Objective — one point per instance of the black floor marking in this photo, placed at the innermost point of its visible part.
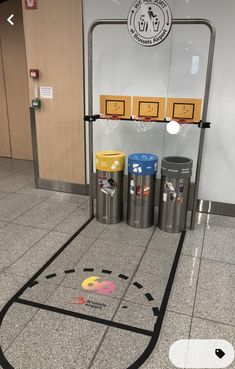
(50, 276)
(70, 271)
(90, 318)
(157, 327)
(33, 284)
(88, 269)
(106, 271)
(149, 297)
(156, 311)
(138, 285)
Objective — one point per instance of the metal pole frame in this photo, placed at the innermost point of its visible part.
(179, 21)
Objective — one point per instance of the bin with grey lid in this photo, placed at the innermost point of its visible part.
(176, 172)
(142, 169)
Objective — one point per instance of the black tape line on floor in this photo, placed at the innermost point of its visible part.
(138, 285)
(106, 271)
(70, 271)
(33, 284)
(90, 318)
(149, 297)
(88, 269)
(50, 276)
(122, 276)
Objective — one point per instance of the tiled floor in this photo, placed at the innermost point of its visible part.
(34, 224)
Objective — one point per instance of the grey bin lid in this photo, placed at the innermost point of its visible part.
(177, 167)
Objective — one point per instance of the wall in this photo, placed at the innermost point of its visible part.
(123, 67)
(15, 76)
(54, 45)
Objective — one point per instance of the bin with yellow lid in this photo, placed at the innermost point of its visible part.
(110, 166)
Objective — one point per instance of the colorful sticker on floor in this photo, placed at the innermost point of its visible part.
(108, 186)
(101, 288)
(88, 303)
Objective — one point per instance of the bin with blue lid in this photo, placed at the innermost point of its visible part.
(142, 169)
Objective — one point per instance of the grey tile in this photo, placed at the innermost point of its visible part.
(120, 349)
(113, 255)
(4, 174)
(15, 182)
(68, 258)
(205, 329)
(219, 244)
(136, 315)
(124, 233)
(48, 214)
(201, 218)
(83, 302)
(175, 327)
(184, 287)
(221, 221)
(157, 262)
(78, 199)
(39, 293)
(152, 284)
(16, 165)
(30, 189)
(94, 229)
(76, 220)
(37, 256)
(9, 285)
(14, 205)
(3, 194)
(193, 242)
(2, 224)
(164, 241)
(52, 341)
(215, 298)
(15, 320)
(15, 240)
(4, 161)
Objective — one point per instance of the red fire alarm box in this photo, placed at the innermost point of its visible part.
(31, 4)
(34, 73)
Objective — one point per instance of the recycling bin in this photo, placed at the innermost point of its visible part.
(110, 167)
(176, 172)
(142, 169)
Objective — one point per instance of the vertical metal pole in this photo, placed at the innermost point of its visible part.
(204, 119)
(90, 112)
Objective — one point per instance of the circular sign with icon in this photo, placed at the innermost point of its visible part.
(149, 22)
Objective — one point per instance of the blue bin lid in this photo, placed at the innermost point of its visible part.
(142, 164)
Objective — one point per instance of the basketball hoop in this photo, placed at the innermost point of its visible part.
(110, 123)
(144, 124)
(185, 127)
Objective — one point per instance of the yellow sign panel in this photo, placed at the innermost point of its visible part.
(119, 106)
(149, 107)
(185, 109)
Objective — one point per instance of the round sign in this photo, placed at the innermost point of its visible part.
(149, 21)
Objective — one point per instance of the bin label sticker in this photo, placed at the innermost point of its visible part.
(146, 191)
(180, 200)
(132, 187)
(165, 197)
(172, 196)
(181, 187)
(108, 186)
(138, 190)
(137, 168)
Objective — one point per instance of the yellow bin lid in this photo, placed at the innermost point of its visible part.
(110, 161)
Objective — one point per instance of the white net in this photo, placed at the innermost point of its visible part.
(184, 129)
(110, 125)
(144, 126)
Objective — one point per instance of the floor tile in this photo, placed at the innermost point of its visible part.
(175, 327)
(3, 194)
(221, 221)
(219, 244)
(215, 298)
(48, 214)
(4, 174)
(110, 254)
(76, 220)
(67, 259)
(14, 322)
(39, 293)
(78, 199)
(120, 349)
(4, 161)
(14, 205)
(156, 262)
(205, 329)
(9, 285)
(60, 342)
(201, 218)
(15, 240)
(15, 182)
(124, 233)
(16, 165)
(94, 229)
(30, 189)
(164, 241)
(184, 286)
(38, 255)
(93, 305)
(193, 242)
(2, 224)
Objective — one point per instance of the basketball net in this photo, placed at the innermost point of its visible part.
(110, 124)
(144, 124)
(185, 127)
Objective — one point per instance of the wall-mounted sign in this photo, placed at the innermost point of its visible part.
(149, 107)
(119, 106)
(149, 21)
(188, 110)
(31, 4)
(46, 92)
